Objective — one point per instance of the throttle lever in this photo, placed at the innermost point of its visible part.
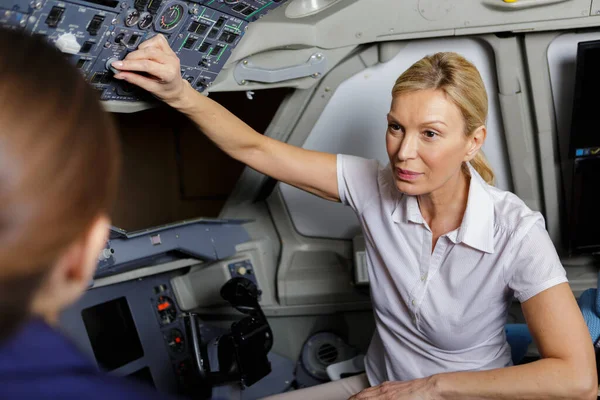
(191, 320)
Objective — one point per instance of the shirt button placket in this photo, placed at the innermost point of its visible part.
(425, 266)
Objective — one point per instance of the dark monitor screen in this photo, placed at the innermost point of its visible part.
(112, 333)
(585, 130)
(585, 216)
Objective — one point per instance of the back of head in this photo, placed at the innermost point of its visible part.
(462, 83)
(59, 157)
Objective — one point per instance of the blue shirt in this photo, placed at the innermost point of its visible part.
(40, 363)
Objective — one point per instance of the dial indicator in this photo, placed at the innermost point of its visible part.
(146, 20)
(132, 17)
(171, 16)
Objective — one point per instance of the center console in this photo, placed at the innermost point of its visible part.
(135, 328)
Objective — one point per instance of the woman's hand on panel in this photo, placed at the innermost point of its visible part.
(418, 389)
(155, 67)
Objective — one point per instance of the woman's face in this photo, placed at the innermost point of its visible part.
(425, 141)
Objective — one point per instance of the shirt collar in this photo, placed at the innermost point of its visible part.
(412, 211)
(477, 227)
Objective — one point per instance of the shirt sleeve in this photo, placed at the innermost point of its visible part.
(357, 181)
(536, 266)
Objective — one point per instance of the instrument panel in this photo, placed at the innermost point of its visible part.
(94, 33)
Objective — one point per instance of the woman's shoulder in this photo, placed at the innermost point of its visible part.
(511, 213)
(352, 162)
(369, 172)
(359, 180)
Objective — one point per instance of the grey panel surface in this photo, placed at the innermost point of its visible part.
(536, 47)
(201, 239)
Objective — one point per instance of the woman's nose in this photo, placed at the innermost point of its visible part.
(408, 147)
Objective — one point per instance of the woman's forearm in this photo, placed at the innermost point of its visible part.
(227, 131)
(544, 379)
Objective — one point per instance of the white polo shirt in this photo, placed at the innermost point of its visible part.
(444, 311)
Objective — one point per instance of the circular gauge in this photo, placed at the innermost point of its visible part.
(132, 17)
(171, 16)
(145, 20)
(175, 340)
(166, 310)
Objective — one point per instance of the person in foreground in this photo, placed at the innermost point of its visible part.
(447, 250)
(59, 158)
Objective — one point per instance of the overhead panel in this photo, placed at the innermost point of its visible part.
(95, 33)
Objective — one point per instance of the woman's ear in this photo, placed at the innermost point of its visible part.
(95, 242)
(72, 272)
(475, 141)
(80, 260)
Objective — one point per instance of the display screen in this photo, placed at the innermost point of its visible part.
(107, 3)
(585, 130)
(585, 219)
(112, 333)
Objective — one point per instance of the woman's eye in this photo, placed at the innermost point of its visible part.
(430, 134)
(394, 127)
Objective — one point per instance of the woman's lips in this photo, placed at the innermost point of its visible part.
(407, 175)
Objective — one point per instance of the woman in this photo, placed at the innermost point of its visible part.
(59, 157)
(447, 250)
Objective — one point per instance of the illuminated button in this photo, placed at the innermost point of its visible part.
(510, 1)
(155, 239)
(242, 270)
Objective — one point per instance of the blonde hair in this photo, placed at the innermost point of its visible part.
(460, 80)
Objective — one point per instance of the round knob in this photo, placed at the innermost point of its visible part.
(105, 254)
(109, 65)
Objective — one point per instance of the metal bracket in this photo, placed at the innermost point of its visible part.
(246, 72)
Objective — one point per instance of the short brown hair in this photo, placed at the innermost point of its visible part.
(59, 165)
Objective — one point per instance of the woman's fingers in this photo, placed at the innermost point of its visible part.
(159, 71)
(145, 83)
(149, 53)
(153, 67)
(158, 41)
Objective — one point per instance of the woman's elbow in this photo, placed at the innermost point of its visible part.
(588, 394)
(586, 386)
